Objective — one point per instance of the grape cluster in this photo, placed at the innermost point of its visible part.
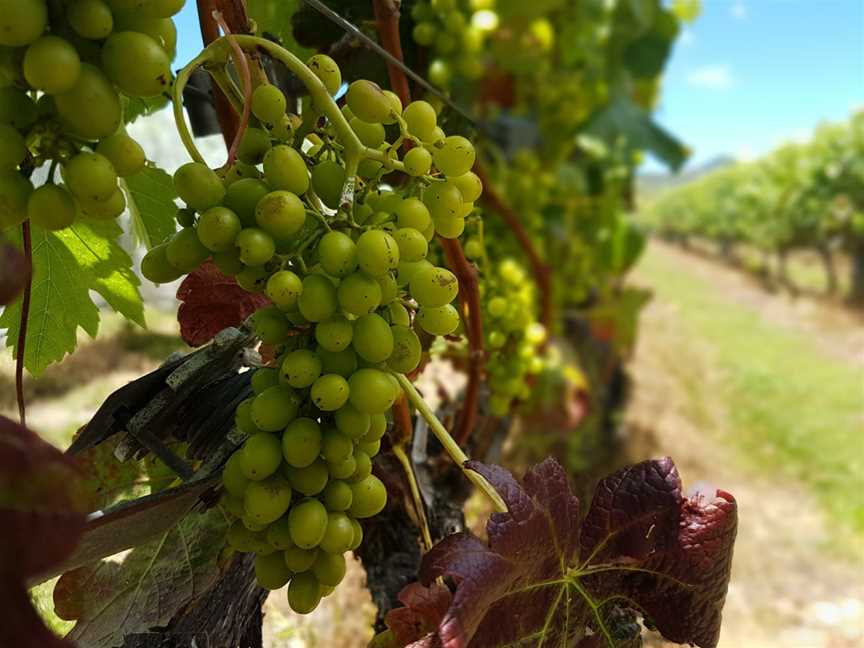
(64, 70)
(350, 286)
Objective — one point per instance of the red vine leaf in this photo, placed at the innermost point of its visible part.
(14, 270)
(212, 301)
(424, 608)
(41, 517)
(548, 578)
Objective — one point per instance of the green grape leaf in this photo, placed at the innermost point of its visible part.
(646, 57)
(150, 197)
(549, 576)
(621, 118)
(136, 107)
(114, 598)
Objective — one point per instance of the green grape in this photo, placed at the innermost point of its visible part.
(271, 325)
(274, 408)
(469, 186)
(364, 465)
(90, 18)
(104, 209)
(198, 186)
(51, 207)
(408, 269)
(260, 456)
(233, 479)
(281, 214)
(377, 429)
(421, 119)
(152, 8)
(253, 525)
(279, 536)
(432, 286)
(318, 300)
(256, 246)
(443, 199)
(232, 506)
(335, 446)
(337, 496)
(17, 108)
(300, 368)
(358, 534)
(368, 102)
(439, 73)
(389, 288)
(269, 104)
(412, 213)
(309, 480)
(229, 262)
(51, 64)
(473, 249)
(91, 109)
(161, 30)
(242, 539)
(342, 363)
(308, 520)
(334, 334)
(283, 130)
(371, 135)
(351, 422)
(125, 154)
(304, 593)
(253, 146)
(359, 294)
(370, 449)
(299, 560)
(442, 320)
(450, 227)
(271, 572)
(424, 33)
(13, 149)
(412, 244)
(154, 265)
(369, 497)
(243, 196)
(218, 228)
(21, 21)
(284, 288)
(285, 169)
(337, 540)
(417, 161)
(263, 378)
(326, 69)
(137, 64)
(328, 178)
(239, 171)
(185, 252)
(371, 391)
(329, 392)
(377, 252)
(267, 500)
(329, 569)
(337, 253)
(466, 210)
(252, 279)
(90, 176)
(342, 469)
(301, 443)
(407, 350)
(373, 340)
(398, 314)
(395, 107)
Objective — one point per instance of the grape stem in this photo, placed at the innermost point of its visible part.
(450, 446)
(399, 451)
(25, 317)
(242, 65)
(542, 272)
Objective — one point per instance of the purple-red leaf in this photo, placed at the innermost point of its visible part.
(548, 578)
(41, 518)
(212, 301)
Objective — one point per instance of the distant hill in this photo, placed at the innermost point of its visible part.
(649, 184)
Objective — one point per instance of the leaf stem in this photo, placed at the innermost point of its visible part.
(456, 453)
(399, 451)
(25, 317)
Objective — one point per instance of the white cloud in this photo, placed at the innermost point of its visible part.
(712, 77)
(739, 10)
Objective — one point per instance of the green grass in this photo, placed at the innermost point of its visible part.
(788, 406)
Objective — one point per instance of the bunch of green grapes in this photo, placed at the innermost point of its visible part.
(350, 287)
(64, 71)
(455, 38)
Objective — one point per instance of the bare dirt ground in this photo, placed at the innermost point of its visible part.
(795, 582)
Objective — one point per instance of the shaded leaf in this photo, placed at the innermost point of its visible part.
(212, 301)
(546, 578)
(150, 197)
(41, 517)
(424, 608)
(107, 479)
(145, 588)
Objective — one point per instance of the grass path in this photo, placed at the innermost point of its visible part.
(736, 387)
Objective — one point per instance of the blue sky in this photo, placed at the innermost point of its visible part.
(746, 76)
(750, 74)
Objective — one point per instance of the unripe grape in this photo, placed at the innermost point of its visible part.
(274, 408)
(329, 568)
(443, 199)
(337, 497)
(342, 469)
(13, 149)
(311, 479)
(442, 320)
(373, 340)
(338, 254)
(414, 214)
(421, 119)
(299, 560)
(304, 593)
(126, 155)
(284, 288)
(412, 244)
(281, 214)
(359, 294)
(369, 497)
(267, 500)
(371, 135)
(389, 288)
(469, 186)
(285, 169)
(218, 228)
(343, 363)
(21, 21)
(398, 314)
(154, 264)
(137, 64)
(300, 368)
(52, 65)
(91, 108)
(256, 246)
(260, 456)
(407, 350)
(254, 146)
(90, 176)
(432, 286)
(318, 300)
(328, 178)
(326, 69)
(329, 392)
(363, 463)
(185, 252)
(51, 207)
(271, 572)
(368, 102)
(358, 534)
(377, 252)
(371, 391)
(395, 105)
(242, 197)
(198, 186)
(450, 227)
(229, 262)
(334, 334)
(90, 18)
(269, 104)
(308, 520)
(417, 161)
(233, 479)
(279, 536)
(301, 442)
